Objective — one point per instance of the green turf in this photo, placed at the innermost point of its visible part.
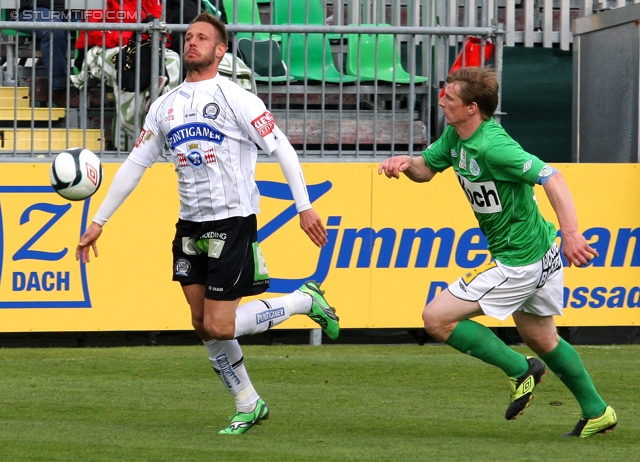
(329, 403)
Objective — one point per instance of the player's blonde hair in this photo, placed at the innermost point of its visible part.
(477, 85)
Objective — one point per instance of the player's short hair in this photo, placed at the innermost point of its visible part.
(477, 85)
(216, 23)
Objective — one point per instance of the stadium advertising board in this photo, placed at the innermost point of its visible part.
(393, 245)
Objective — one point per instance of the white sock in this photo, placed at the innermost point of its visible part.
(228, 363)
(299, 301)
(260, 315)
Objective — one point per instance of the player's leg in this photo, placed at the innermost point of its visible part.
(446, 319)
(501, 290)
(226, 357)
(236, 268)
(540, 334)
(260, 315)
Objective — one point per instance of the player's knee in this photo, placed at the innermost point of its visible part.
(435, 326)
(431, 322)
(542, 344)
(212, 331)
(220, 332)
(198, 325)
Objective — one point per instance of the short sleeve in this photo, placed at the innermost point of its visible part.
(510, 162)
(149, 143)
(259, 123)
(438, 155)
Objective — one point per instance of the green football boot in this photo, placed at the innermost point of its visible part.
(588, 427)
(522, 388)
(243, 421)
(321, 312)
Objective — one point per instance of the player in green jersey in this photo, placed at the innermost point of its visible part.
(525, 277)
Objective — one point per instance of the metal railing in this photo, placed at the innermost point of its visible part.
(324, 120)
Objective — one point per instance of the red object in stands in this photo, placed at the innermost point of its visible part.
(472, 55)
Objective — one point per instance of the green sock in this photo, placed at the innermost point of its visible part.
(478, 341)
(565, 362)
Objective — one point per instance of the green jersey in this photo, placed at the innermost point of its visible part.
(498, 176)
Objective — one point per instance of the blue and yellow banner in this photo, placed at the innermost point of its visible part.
(394, 245)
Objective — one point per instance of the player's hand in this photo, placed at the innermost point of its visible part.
(311, 224)
(88, 240)
(576, 249)
(394, 166)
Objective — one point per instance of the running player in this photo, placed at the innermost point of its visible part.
(525, 277)
(211, 127)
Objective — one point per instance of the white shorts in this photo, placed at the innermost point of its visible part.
(500, 290)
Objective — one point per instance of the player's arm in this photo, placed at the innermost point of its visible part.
(146, 151)
(413, 167)
(574, 245)
(124, 182)
(310, 221)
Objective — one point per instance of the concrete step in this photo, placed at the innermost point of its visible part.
(11, 97)
(43, 139)
(27, 114)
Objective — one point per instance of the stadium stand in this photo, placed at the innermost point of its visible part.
(327, 118)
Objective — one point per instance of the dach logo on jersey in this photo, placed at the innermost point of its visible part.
(195, 157)
(197, 131)
(264, 124)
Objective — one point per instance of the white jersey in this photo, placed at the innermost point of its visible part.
(210, 128)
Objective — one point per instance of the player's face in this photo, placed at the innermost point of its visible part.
(455, 110)
(202, 47)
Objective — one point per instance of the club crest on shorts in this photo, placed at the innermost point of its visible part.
(182, 267)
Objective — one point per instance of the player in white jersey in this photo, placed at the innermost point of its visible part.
(211, 127)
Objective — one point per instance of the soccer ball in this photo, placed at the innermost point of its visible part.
(76, 173)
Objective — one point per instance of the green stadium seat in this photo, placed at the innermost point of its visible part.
(247, 13)
(264, 58)
(300, 12)
(309, 56)
(377, 57)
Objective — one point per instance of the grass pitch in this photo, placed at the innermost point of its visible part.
(329, 403)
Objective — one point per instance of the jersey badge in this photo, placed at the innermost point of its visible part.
(190, 115)
(169, 117)
(264, 124)
(140, 138)
(453, 153)
(184, 94)
(474, 168)
(527, 166)
(463, 159)
(546, 171)
(195, 157)
(211, 111)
